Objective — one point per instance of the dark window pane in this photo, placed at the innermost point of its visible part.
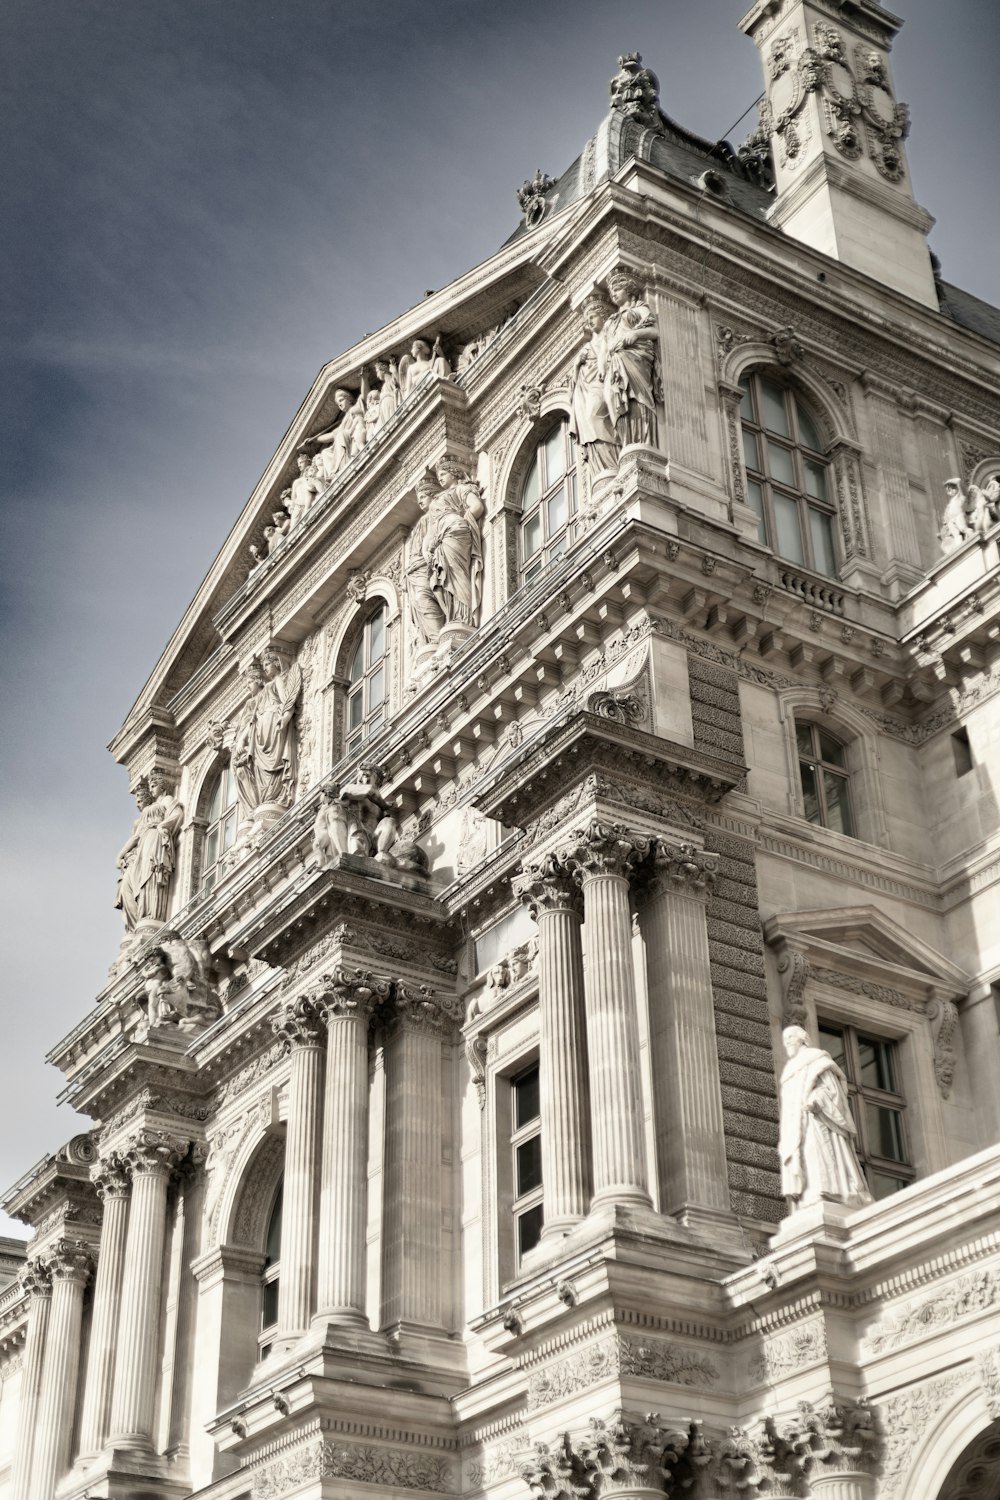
(376, 687)
(831, 750)
(877, 1071)
(821, 537)
(885, 1132)
(774, 414)
(557, 511)
(780, 465)
(212, 846)
(272, 1249)
(555, 457)
(269, 1308)
(755, 498)
(526, 1098)
(376, 630)
(833, 1042)
(529, 1165)
(217, 803)
(786, 515)
(750, 452)
(810, 792)
(530, 498)
(356, 712)
(532, 535)
(838, 803)
(815, 479)
(883, 1186)
(808, 431)
(803, 738)
(229, 830)
(529, 1229)
(746, 400)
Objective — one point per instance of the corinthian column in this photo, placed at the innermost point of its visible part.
(412, 1269)
(349, 998)
(37, 1283)
(150, 1158)
(111, 1179)
(301, 1025)
(691, 1147)
(549, 891)
(69, 1267)
(602, 856)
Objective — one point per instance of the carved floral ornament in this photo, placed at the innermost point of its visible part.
(623, 1455)
(857, 107)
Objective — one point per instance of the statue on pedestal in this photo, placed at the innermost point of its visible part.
(265, 750)
(357, 819)
(175, 977)
(632, 385)
(817, 1142)
(590, 420)
(146, 860)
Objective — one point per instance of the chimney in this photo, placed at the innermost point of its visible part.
(837, 135)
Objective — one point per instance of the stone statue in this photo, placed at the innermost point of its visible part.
(965, 515)
(357, 819)
(175, 976)
(425, 607)
(590, 422)
(304, 489)
(456, 560)
(275, 534)
(265, 749)
(421, 363)
(124, 895)
(632, 386)
(390, 394)
(147, 858)
(818, 1157)
(635, 92)
(341, 443)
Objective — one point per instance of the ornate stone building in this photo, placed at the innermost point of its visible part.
(602, 679)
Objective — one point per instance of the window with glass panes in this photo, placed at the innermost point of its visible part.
(221, 829)
(548, 503)
(788, 477)
(526, 1147)
(871, 1067)
(366, 695)
(270, 1278)
(826, 787)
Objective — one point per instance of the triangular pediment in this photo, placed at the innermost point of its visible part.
(865, 936)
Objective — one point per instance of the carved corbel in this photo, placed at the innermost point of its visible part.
(793, 966)
(943, 1017)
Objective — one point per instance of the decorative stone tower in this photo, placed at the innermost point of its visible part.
(837, 134)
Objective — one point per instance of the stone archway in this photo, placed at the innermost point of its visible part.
(975, 1474)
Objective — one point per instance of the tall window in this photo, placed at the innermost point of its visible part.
(271, 1279)
(366, 698)
(826, 788)
(788, 475)
(548, 503)
(221, 830)
(526, 1145)
(871, 1066)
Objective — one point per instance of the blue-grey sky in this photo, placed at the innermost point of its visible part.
(203, 201)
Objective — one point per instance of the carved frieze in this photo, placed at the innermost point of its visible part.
(649, 1358)
(925, 1316)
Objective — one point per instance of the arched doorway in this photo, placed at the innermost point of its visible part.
(975, 1474)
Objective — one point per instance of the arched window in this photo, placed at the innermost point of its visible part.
(366, 696)
(221, 828)
(825, 778)
(548, 503)
(788, 474)
(270, 1278)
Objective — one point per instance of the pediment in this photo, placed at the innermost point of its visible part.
(864, 938)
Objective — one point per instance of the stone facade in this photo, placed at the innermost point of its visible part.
(606, 687)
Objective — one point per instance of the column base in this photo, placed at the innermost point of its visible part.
(702, 1244)
(113, 1475)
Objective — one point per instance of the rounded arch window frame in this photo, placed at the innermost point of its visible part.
(806, 705)
(836, 425)
(219, 765)
(528, 440)
(378, 593)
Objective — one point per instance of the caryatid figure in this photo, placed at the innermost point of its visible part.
(817, 1140)
(632, 385)
(591, 422)
(147, 859)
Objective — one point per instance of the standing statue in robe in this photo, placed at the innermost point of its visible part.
(390, 394)
(124, 894)
(590, 421)
(147, 859)
(421, 363)
(345, 441)
(265, 752)
(817, 1141)
(456, 550)
(632, 385)
(304, 489)
(425, 607)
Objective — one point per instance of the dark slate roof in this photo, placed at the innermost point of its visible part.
(969, 312)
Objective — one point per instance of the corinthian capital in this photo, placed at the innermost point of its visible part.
(70, 1260)
(301, 1022)
(423, 1009)
(153, 1153)
(547, 885)
(110, 1176)
(604, 849)
(351, 993)
(35, 1278)
(682, 867)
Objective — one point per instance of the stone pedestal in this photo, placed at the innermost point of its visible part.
(151, 1157)
(602, 855)
(348, 1003)
(691, 1153)
(112, 1182)
(37, 1283)
(302, 1026)
(412, 1270)
(548, 889)
(69, 1267)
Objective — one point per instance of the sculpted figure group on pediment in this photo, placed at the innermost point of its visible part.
(615, 384)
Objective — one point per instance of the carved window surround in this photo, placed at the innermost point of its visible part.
(808, 705)
(858, 966)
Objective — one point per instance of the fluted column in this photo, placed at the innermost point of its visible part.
(111, 1179)
(69, 1266)
(684, 1058)
(602, 855)
(554, 899)
(412, 1268)
(349, 1000)
(38, 1284)
(151, 1158)
(301, 1025)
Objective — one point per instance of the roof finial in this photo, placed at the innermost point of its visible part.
(635, 91)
